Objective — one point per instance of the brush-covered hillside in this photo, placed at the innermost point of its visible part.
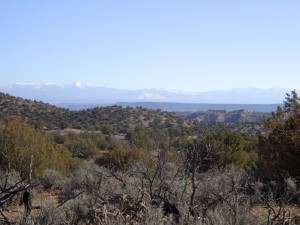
(222, 116)
(106, 119)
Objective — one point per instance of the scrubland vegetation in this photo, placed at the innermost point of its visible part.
(116, 165)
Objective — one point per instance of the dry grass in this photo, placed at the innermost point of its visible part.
(261, 213)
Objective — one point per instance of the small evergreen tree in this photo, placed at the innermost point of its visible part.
(19, 141)
(280, 146)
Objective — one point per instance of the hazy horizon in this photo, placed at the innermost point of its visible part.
(82, 93)
(81, 84)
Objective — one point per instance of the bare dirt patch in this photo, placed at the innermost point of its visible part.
(16, 210)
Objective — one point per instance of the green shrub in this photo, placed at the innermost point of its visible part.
(49, 178)
(19, 141)
(120, 159)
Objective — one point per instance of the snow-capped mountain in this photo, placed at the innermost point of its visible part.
(82, 85)
(84, 93)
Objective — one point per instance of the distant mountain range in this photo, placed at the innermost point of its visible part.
(84, 95)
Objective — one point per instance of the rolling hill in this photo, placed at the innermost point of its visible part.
(47, 116)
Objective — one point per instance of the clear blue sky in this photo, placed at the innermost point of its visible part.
(187, 45)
